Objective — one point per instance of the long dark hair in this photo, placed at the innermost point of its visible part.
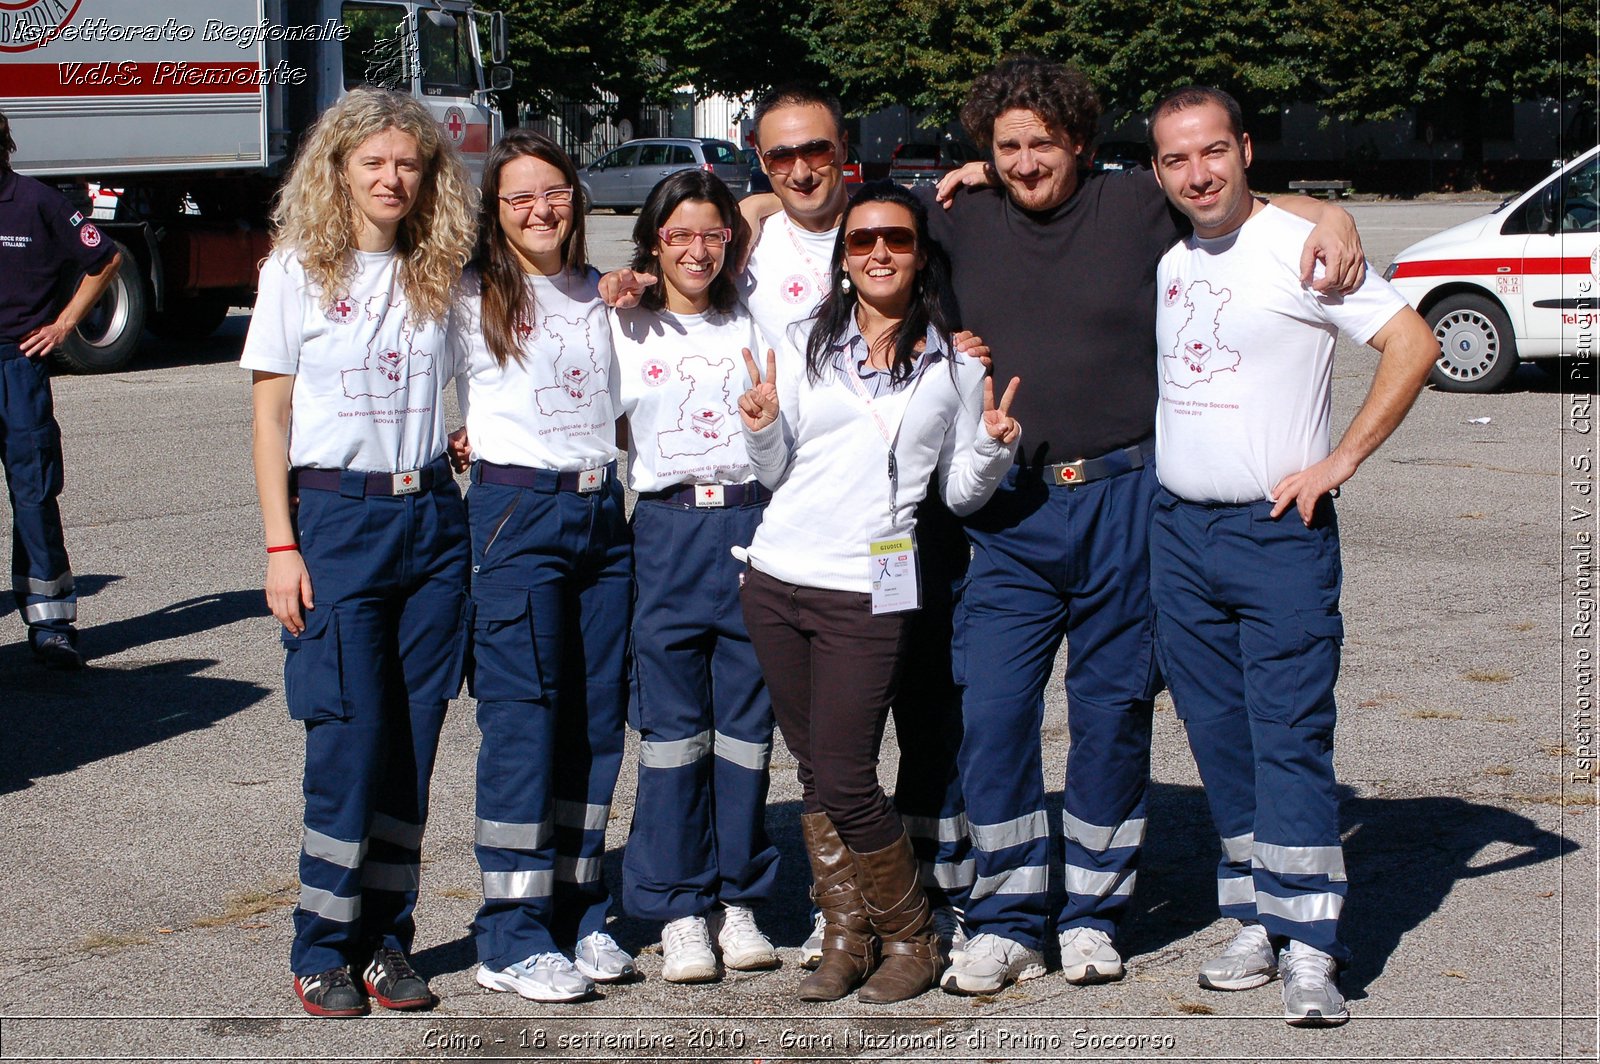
(932, 302)
(507, 302)
(681, 187)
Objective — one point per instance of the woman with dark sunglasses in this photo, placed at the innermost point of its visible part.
(698, 850)
(869, 405)
(551, 578)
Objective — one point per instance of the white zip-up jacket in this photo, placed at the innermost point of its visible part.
(827, 462)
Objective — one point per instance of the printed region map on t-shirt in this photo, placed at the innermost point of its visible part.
(552, 409)
(679, 378)
(1245, 357)
(785, 279)
(368, 379)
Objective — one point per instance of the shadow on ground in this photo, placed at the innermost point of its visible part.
(56, 722)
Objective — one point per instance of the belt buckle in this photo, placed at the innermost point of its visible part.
(1068, 474)
(709, 496)
(407, 483)
(591, 480)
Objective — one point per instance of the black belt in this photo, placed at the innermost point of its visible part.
(583, 481)
(698, 497)
(1111, 464)
(355, 483)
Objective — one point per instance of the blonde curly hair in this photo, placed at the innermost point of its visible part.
(315, 217)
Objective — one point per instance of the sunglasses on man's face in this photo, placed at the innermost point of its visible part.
(897, 238)
(816, 153)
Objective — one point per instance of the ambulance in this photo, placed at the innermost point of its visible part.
(174, 123)
(1522, 282)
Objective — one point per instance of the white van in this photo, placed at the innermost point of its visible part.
(1521, 282)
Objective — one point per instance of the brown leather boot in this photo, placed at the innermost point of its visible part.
(847, 939)
(898, 908)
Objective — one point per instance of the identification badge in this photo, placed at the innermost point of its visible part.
(708, 495)
(895, 585)
(591, 480)
(408, 483)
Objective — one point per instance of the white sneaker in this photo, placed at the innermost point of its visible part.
(542, 977)
(811, 948)
(1248, 961)
(744, 947)
(686, 951)
(989, 963)
(1087, 956)
(951, 931)
(1311, 995)
(598, 956)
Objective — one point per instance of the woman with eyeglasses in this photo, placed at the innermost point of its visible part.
(848, 433)
(698, 855)
(366, 536)
(551, 578)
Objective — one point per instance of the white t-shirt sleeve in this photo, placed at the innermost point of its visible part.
(272, 343)
(971, 462)
(1362, 314)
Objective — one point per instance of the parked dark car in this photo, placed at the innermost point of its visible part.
(623, 177)
(925, 162)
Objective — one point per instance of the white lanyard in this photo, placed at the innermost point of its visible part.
(890, 438)
(805, 258)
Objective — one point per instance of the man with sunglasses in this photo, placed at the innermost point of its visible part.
(1055, 268)
(801, 139)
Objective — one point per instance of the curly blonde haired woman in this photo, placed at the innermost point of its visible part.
(367, 548)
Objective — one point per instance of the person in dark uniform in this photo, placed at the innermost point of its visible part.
(54, 265)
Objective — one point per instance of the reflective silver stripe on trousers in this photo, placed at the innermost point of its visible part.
(1025, 828)
(330, 906)
(950, 876)
(39, 612)
(580, 870)
(27, 585)
(1301, 860)
(381, 875)
(398, 832)
(506, 836)
(949, 829)
(1237, 890)
(531, 884)
(1029, 879)
(1302, 909)
(334, 851)
(1099, 884)
(1098, 838)
(675, 753)
(580, 815)
(1237, 848)
(753, 756)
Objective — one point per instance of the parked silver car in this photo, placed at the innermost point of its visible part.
(624, 176)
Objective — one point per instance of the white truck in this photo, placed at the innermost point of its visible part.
(184, 115)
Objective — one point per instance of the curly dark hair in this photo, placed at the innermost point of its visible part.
(1058, 93)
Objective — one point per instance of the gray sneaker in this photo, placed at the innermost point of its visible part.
(1248, 961)
(1087, 956)
(988, 964)
(1311, 995)
(598, 956)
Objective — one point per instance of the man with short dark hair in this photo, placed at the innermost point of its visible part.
(46, 247)
(1244, 544)
(1055, 269)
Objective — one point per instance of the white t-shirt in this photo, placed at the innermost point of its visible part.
(786, 277)
(679, 378)
(553, 409)
(1246, 357)
(367, 381)
(827, 464)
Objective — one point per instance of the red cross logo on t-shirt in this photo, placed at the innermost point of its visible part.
(795, 289)
(341, 311)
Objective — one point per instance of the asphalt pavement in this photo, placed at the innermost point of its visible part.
(150, 804)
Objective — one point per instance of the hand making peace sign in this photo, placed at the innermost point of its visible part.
(997, 421)
(759, 406)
